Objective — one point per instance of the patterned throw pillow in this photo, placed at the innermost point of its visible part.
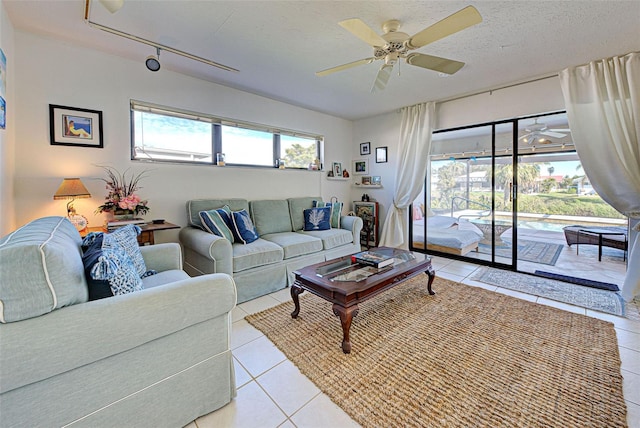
(336, 211)
(115, 266)
(317, 219)
(243, 229)
(127, 238)
(217, 222)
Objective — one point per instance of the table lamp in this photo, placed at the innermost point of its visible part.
(72, 188)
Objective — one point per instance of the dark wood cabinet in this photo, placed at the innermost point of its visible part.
(368, 212)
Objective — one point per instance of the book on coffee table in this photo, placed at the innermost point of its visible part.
(372, 258)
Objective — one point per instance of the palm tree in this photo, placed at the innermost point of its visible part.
(527, 176)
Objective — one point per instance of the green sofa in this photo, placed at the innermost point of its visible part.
(267, 264)
(159, 357)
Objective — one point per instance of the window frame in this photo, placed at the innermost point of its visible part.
(217, 123)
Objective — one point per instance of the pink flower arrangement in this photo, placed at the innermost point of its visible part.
(122, 193)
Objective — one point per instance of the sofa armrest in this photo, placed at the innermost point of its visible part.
(70, 337)
(209, 246)
(353, 224)
(162, 257)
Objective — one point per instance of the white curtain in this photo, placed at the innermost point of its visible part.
(413, 154)
(603, 108)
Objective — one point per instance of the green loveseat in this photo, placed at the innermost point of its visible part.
(267, 264)
(159, 357)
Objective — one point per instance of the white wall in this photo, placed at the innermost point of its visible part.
(531, 98)
(78, 77)
(7, 135)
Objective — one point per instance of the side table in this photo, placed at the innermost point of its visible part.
(146, 236)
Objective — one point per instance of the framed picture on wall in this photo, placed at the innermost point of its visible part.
(336, 167)
(381, 154)
(366, 180)
(71, 126)
(361, 167)
(365, 149)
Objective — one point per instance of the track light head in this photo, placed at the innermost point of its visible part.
(153, 62)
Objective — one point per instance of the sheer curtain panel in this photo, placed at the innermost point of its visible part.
(413, 154)
(603, 107)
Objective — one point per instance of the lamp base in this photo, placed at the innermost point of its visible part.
(79, 221)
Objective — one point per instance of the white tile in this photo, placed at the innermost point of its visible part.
(283, 295)
(560, 305)
(242, 376)
(251, 408)
(633, 414)
(449, 276)
(260, 304)
(258, 356)
(237, 314)
(630, 360)
(289, 388)
(458, 268)
(242, 332)
(619, 322)
(321, 412)
(628, 339)
(631, 386)
(517, 294)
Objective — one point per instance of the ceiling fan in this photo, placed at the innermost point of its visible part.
(536, 133)
(394, 44)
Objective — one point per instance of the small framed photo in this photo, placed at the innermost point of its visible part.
(361, 167)
(366, 180)
(365, 149)
(71, 126)
(336, 167)
(376, 181)
(381, 154)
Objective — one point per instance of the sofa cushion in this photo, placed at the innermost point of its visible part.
(50, 248)
(218, 222)
(194, 207)
(317, 218)
(296, 210)
(98, 288)
(127, 238)
(295, 244)
(332, 238)
(244, 231)
(258, 253)
(336, 211)
(270, 216)
(165, 277)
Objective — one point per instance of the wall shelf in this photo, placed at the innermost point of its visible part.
(339, 178)
(368, 186)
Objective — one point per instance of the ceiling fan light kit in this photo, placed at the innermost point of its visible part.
(394, 45)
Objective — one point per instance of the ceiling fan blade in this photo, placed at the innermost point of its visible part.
(436, 63)
(382, 78)
(553, 134)
(560, 130)
(345, 66)
(361, 30)
(460, 20)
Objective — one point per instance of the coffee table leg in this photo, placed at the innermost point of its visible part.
(346, 315)
(295, 291)
(432, 276)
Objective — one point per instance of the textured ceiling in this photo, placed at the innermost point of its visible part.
(279, 45)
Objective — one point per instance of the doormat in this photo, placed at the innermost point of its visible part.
(579, 281)
(591, 298)
(545, 253)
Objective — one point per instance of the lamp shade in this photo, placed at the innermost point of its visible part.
(71, 188)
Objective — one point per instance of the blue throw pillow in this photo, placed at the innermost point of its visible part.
(317, 219)
(215, 221)
(243, 229)
(336, 211)
(92, 251)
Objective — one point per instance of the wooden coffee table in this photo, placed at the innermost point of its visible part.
(346, 285)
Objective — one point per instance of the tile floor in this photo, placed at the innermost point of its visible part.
(273, 393)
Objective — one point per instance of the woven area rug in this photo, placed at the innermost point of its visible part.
(545, 253)
(586, 297)
(466, 357)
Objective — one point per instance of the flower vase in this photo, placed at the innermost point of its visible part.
(120, 215)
